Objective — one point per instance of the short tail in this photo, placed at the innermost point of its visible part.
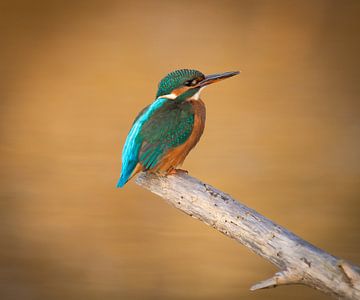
(126, 176)
(123, 179)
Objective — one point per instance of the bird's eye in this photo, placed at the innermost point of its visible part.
(190, 82)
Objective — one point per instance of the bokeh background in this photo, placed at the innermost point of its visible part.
(283, 137)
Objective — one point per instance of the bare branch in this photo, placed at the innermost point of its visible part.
(301, 262)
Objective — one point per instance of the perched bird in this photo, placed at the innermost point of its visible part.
(164, 132)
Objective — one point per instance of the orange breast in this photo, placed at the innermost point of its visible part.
(175, 157)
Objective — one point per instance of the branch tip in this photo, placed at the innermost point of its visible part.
(280, 278)
(268, 283)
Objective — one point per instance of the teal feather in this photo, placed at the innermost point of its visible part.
(169, 127)
(134, 141)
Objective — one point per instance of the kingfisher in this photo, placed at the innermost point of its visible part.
(165, 131)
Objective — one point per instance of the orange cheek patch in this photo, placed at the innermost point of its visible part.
(179, 91)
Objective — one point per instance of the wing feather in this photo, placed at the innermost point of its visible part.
(168, 128)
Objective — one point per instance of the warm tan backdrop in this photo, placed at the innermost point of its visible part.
(283, 137)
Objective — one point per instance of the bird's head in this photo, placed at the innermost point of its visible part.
(185, 83)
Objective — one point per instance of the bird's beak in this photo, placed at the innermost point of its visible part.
(216, 77)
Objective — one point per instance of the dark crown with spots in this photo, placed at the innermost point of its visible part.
(176, 79)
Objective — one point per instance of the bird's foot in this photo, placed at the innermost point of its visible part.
(177, 171)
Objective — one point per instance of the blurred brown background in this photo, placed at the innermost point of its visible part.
(283, 137)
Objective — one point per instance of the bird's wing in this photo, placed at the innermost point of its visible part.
(130, 154)
(169, 127)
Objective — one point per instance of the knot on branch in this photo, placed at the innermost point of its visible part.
(351, 274)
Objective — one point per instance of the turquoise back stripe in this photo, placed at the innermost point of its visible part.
(133, 143)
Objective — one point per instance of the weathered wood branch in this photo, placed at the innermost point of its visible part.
(299, 261)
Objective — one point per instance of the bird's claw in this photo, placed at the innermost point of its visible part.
(177, 171)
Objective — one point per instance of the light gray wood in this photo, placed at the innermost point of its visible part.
(298, 261)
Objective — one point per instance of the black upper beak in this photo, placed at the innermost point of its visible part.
(216, 77)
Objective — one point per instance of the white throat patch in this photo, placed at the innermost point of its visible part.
(197, 95)
(168, 96)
